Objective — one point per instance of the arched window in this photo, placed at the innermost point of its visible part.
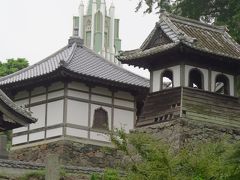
(222, 84)
(100, 119)
(196, 79)
(167, 79)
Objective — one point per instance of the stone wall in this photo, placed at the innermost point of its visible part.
(177, 133)
(182, 131)
(70, 153)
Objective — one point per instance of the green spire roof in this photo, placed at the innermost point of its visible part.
(90, 2)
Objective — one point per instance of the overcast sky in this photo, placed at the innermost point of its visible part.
(34, 29)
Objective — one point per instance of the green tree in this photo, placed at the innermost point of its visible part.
(150, 159)
(219, 12)
(12, 65)
(9, 67)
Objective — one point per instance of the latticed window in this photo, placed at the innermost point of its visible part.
(100, 119)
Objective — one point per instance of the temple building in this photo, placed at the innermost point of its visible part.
(75, 94)
(193, 76)
(99, 29)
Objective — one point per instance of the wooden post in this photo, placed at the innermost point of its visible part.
(3, 147)
(52, 167)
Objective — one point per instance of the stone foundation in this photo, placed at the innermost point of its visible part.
(70, 153)
(177, 133)
(182, 131)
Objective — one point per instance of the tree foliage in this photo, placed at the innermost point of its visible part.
(12, 66)
(150, 159)
(9, 67)
(219, 12)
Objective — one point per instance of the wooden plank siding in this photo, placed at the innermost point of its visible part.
(161, 106)
(192, 104)
(211, 107)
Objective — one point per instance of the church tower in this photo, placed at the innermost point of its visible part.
(99, 29)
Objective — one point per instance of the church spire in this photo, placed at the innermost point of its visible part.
(81, 14)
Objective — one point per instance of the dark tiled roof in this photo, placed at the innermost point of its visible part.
(77, 58)
(24, 113)
(191, 33)
(12, 164)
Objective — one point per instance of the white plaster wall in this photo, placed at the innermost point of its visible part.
(156, 80)
(55, 113)
(19, 139)
(21, 129)
(101, 99)
(36, 136)
(123, 103)
(124, 95)
(108, 109)
(101, 90)
(76, 132)
(176, 75)
(78, 86)
(78, 94)
(157, 77)
(99, 136)
(38, 98)
(204, 72)
(56, 85)
(231, 81)
(55, 94)
(39, 113)
(21, 94)
(54, 132)
(123, 119)
(38, 90)
(77, 113)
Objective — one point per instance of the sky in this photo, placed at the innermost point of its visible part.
(34, 29)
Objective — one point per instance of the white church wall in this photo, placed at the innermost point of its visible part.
(39, 113)
(77, 132)
(36, 136)
(54, 132)
(123, 119)
(204, 72)
(230, 78)
(55, 113)
(19, 139)
(77, 113)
